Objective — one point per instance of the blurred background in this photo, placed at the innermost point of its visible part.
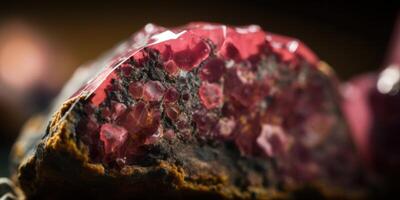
(42, 43)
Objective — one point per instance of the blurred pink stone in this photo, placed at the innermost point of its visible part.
(357, 110)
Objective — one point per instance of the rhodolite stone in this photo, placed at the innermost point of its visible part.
(210, 95)
(113, 137)
(227, 111)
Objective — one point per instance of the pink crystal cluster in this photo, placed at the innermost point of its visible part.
(258, 90)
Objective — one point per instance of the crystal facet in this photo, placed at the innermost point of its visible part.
(113, 137)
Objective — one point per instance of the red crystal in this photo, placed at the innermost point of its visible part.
(117, 110)
(189, 58)
(153, 91)
(210, 95)
(136, 90)
(100, 95)
(243, 87)
(113, 137)
(286, 47)
(171, 95)
(187, 52)
(230, 51)
(172, 112)
(171, 67)
(136, 118)
(241, 43)
(212, 70)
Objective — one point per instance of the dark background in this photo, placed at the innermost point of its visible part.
(351, 37)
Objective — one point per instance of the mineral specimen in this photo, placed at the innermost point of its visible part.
(203, 110)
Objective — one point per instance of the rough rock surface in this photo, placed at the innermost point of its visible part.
(203, 110)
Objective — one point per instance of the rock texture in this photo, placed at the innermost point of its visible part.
(199, 111)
